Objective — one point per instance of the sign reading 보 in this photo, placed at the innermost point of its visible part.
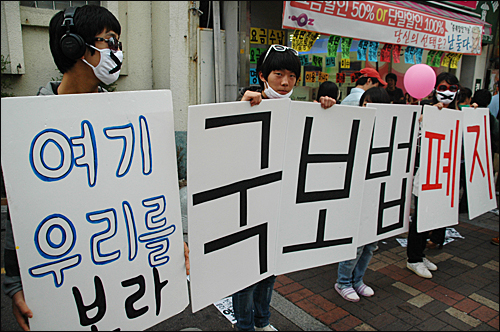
(478, 162)
(323, 180)
(389, 173)
(439, 172)
(99, 232)
(235, 166)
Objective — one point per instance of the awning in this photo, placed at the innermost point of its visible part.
(393, 22)
(444, 13)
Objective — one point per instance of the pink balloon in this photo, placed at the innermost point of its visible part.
(419, 80)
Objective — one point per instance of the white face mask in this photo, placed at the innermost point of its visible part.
(445, 97)
(271, 94)
(108, 69)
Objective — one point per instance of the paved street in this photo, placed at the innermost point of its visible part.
(462, 295)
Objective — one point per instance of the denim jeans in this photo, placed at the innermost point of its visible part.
(251, 305)
(350, 273)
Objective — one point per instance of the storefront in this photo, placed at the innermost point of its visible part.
(335, 39)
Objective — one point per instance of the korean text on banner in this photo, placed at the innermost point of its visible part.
(103, 224)
(233, 195)
(394, 24)
(478, 161)
(389, 173)
(439, 180)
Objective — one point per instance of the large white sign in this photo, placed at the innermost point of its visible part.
(235, 166)
(439, 180)
(93, 197)
(323, 180)
(389, 175)
(478, 162)
(383, 22)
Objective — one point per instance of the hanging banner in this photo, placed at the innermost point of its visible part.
(304, 60)
(303, 40)
(323, 77)
(430, 57)
(454, 61)
(340, 78)
(418, 55)
(409, 53)
(329, 61)
(317, 61)
(362, 46)
(446, 59)
(382, 22)
(258, 36)
(346, 47)
(385, 53)
(436, 62)
(372, 51)
(396, 51)
(333, 45)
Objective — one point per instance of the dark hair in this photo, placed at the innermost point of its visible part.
(329, 89)
(275, 60)
(450, 79)
(377, 94)
(391, 75)
(363, 80)
(482, 98)
(464, 94)
(89, 21)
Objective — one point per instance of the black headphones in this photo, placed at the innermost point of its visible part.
(72, 45)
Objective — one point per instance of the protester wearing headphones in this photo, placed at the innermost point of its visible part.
(85, 47)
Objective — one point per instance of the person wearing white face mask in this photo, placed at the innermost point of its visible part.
(445, 95)
(278, 70)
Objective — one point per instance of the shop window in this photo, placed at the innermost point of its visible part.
(57, 5)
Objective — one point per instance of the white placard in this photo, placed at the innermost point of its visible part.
(93, 197)
(234, 163)
(323, 180)
(439, 182)
(478, 161)
(389, 176)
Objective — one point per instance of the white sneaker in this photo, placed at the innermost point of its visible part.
(420, 269)
(429, 265)
(269, 327)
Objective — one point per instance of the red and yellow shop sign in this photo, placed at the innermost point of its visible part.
(393, 24)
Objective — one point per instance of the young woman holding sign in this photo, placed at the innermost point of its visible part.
(278, 70)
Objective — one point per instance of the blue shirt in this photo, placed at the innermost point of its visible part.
(493, 106)
(353, 98)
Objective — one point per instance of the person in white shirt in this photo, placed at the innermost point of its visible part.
(369, 78)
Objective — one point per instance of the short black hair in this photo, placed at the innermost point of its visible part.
(482, 98)
(329, 89)
(391, 75)
(276, 60)
(89, 21)
(377, 94)
(464, 94)
(363, 80)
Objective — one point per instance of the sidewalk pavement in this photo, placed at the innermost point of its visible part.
(462, 295)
